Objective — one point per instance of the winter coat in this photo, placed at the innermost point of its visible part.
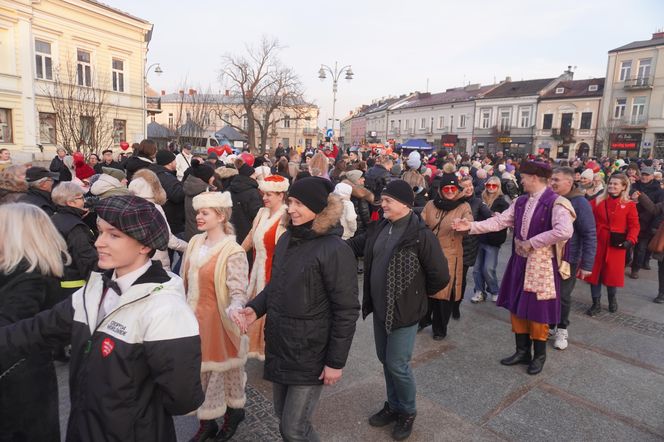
(582, 247)
(136, 163)
(247, 202)
(56, 164)
(113, 164)
(376, 179)
(348, 220)
(80, 243)
(30, 390)
(192, 187)
(610, 261)
(471, 243)
(12, 190)
(440, 223)
(362, 200)
(174, 205)
(39, 198)
(509, 187)
(427, 278)
(496, 239)
(647, 220)
(131, 373)
(311, 302)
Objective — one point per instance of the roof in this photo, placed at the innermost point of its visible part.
(640, 44)
(234, 99)
(510, 89)
(454, 95)
(381, 105)
(118, 11)
(416, 144)
(156, 130)
(575, 89)
(229, 133)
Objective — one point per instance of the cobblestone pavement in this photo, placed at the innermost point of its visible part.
(608, 384)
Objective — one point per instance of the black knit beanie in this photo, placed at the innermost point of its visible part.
(246, 170)
(312, 192)
(449, 179)
(202, 171)
(400, 191)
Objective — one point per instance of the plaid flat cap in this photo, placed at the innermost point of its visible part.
(137, 218)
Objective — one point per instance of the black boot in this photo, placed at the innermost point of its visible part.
(594, 309)
(539, 358)
(232, 419)
(403, 427)
(383, 417)
(456, 310)
(206, 430)
(522, 355)
(613, 303)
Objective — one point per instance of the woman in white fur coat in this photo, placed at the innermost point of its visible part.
(268, 226)
(146, 185)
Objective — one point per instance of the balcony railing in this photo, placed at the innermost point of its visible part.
(638, 83)
(309, 131)
(635, 120)
(153, 104)
(565, 134)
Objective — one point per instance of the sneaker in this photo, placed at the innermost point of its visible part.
(383, 417)
(404, 426)
(494, 298)
(561, 339)
(479, 297)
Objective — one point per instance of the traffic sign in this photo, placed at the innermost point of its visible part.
(329, 133)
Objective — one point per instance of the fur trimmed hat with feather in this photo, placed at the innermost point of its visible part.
(273, 183)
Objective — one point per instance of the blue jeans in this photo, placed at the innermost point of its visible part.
(294, 405)
(394, 351)
(596, 291)
(484, 270)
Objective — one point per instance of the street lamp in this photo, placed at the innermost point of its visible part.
(157, 71)
(335, 73)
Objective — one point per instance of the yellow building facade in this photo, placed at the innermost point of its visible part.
(50, 44)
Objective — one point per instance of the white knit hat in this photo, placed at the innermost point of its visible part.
(343, 190)
(212, 200)
(587, 174)
(273, 183)
(414, 160)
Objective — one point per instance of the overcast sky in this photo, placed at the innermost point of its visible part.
(394, 46)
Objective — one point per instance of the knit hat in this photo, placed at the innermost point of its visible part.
(538, 168)
(246, 170)
(203, 171)
(164, 157)
(354, 176)
(212, 200)
(115, 173)
(312, 192)
(213, 156)
(262, 172)
(343, 190)
(273, 183)
(587, 174)
(509, 168)
(647, 170)
(414, 160)
(137, 218)
(400, 191)
(449, 179)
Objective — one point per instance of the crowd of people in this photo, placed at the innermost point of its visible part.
(156, 275)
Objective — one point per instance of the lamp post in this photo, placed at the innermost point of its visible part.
(158, 71)
(335, 73)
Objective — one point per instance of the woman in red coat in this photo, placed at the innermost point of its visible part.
(614, 213)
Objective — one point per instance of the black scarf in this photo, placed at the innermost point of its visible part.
(303, 231)
(447, 205)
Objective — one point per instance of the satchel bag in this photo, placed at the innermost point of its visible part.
(616, 239)
(656, 244)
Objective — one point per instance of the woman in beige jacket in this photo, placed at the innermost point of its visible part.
(438, 215)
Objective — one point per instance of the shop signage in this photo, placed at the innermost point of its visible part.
(625, 141)
(504, 140)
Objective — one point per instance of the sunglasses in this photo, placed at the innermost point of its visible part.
(449, 189)
(491, 186)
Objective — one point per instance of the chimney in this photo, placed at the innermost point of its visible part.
(192, 91)
(508, 79)
(163, 92)
(227, 92)
(658, 34)
(181, 92)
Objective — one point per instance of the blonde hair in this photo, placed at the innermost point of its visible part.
(319, 165)
(64, 192)
(624, 195)
(28, 235)
(414, 179)
(489, 198)
(226, 212)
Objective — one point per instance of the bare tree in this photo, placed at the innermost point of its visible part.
(193, 112)
(604, 134)
(82, 113)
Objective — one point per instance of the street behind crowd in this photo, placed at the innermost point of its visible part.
(607, 385)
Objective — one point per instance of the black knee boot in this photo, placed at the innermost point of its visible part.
(206, 430)
(232, 419)
(596, 308)
(539, 358)
(613, 303)
(522, 355)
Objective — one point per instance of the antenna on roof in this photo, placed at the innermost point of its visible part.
(427, 90)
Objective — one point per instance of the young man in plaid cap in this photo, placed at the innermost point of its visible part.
(135, 357)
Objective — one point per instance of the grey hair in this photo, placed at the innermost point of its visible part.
(37, 183)
(65, 192)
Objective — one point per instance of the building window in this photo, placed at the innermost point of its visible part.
(118, 75)
(407, 124)
(245, 123)
(586, 120)
(644, 68)
(547, 123)
(619, 111)
(83, 68)
(486, 118)
(286, 122)
(451, 123)
(638, 109)
(87, 124)
(441, 122)
(423, 123)
(392, 124)
(505, 118)
(398, 124)
(119, 131)
(431, 126)
(560, 90)
(5, 126)
(625, 70)
(462, 121)
(44, 62)
(170, 121)
(227, 118)
(524, 118)
(152, 119)
(47, 128)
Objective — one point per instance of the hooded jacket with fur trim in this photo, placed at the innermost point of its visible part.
(310, 301)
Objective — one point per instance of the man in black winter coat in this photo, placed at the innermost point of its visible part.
(403, 264)
(247, 201)
(649, 223)
(311, 306)
(40, 184)
(166, 169)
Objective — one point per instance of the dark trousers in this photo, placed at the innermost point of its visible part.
(660, 275)
(294, 405)
(566, 288)
(596, 291)
(441, 310)
(640, 252)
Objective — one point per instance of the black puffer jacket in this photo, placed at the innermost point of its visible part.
(39, 198)
(432, 274)
(174, 205)
(136, 163)
(496, 239)
(648, 222)
(311, 301)
(471, 242)
(31, 389)
(80, 242)
(247, 202)
(376, 179)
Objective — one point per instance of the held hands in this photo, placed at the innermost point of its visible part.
(523, 248)
(330, 376)
(584, 273)
(247, 315)
(461, 225)
(238, 318)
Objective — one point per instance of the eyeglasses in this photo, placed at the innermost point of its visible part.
(491, 186)
(449, 189)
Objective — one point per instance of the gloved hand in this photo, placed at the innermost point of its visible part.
(626, 245)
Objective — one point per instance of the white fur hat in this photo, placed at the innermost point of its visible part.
(262, 172)
(587, 174)
(273, 183)
(343, 190)
(212, 200)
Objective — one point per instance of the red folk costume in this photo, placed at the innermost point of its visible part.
(612, 215)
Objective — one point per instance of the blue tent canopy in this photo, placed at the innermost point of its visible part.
(416, 144)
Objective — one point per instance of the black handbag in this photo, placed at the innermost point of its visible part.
(616, 239)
